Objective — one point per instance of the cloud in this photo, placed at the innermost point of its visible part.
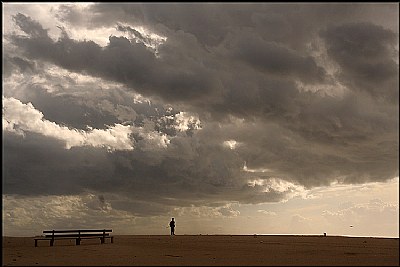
(281, 22)
(151, 41)
(366, 54)
(166, 112)
(19, 117)
(276, 59)
(266, 212)
(355, 219)
(54, 212)
(121, 60)
(208, 212)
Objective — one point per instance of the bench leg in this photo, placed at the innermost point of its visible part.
(78, 241)
(35, 242)
(112, 239)
(102, 240)
(51, 242)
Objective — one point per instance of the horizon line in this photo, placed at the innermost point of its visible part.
(295, 235)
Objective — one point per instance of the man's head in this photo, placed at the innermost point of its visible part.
(172, 218)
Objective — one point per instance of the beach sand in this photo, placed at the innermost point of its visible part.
(206, 250)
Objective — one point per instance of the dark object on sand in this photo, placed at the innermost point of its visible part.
(52, 235)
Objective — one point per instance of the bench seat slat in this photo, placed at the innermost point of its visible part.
(76, 235)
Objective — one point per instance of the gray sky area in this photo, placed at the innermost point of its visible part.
(273, 118)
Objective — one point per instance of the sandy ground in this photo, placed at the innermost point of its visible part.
(206, 250)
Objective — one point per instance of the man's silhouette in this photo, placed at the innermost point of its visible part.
(172, 225)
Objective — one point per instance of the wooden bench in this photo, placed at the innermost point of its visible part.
(78, 235)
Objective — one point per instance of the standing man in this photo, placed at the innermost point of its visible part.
(172, 225)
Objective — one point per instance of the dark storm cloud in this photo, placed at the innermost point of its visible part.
(277, 60)
(181, 176)
(123, 61)
(14, 64)
(22, 161)
(77, 106)
(292, 24)
(29, 26)
(178, 75)
(22, 64)
(238, 67)
(365, 53)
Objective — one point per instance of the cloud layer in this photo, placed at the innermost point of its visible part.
(198, 106)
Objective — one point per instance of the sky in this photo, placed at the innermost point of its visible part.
(233, 118)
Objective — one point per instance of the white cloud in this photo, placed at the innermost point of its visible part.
(154, 140)
(246, 169)
(185, 121)
(9, 127)
(151, 139)
(139, 34)
(232, 144)
(57, 81)
(254, 182)
(19, 117)
(116, 137)
(266, 212)
(290, 189)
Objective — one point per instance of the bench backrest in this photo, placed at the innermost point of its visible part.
(77, 231)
